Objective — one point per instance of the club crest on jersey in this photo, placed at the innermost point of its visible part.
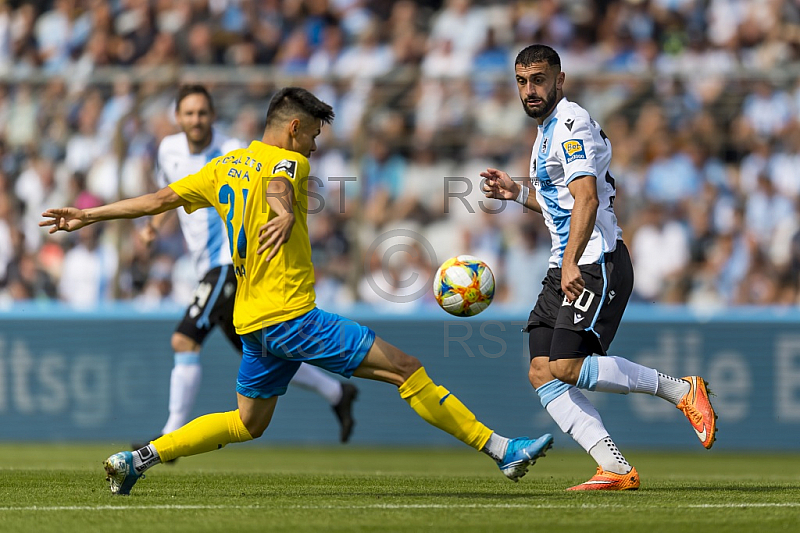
(573, 149)
(286, 165)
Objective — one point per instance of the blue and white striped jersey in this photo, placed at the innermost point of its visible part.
(571, 144)
(206, 237)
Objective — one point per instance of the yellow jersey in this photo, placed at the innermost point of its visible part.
(235, 185)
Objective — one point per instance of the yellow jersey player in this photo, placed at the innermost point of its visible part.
(206, 239)
(260, 194)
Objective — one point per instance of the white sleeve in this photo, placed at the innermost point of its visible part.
(576, 151)
(231, 144)
(160, 177)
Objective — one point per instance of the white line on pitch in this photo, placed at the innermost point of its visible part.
(399, 506)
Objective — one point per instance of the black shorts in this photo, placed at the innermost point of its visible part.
(212, 306)
(599, 309)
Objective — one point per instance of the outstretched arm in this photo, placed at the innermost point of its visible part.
(499, 185)
(71, 218)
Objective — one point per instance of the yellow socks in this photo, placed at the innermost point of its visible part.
(204, 434)
(441, 409)
(434, 404)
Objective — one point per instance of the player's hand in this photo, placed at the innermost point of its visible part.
(499, 184)
(274, 233)
(571, 281)
(64, 219)
(148, 234)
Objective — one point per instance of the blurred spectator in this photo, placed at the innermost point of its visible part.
(6, 249)
(461, 24)
(368, 58)
(764, 209)
(654, 269)
(21, 128)
(671, 175)
(490, 65)
(37, 190)
(380, 180)
(86, 145)
(89, 269)
(293, 56)
(445, 61)
(526, 263)
(321, 62)
(768, 111)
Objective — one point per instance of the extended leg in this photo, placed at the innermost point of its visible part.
(577, 417)
(607, 373)
(440, 408)
(201, 435)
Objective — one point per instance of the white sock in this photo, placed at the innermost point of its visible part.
(496, 447)
(576, 416)
(609, 457)
(311, 378)
(671, 389)
(144, 458)
(618, 375)
(183, 386)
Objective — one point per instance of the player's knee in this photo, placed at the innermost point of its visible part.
(255, 430)
(181, 343)
(539, 372)
(255, 426)
(566, 370)
(407, 365)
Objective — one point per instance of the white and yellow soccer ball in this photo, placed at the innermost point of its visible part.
(464, 285)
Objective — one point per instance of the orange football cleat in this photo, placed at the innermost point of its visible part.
(697, 408)
(603, 480)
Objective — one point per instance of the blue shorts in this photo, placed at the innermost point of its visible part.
(272, 355)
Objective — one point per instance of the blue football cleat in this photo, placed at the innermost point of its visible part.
(522, 453)
(120, 473)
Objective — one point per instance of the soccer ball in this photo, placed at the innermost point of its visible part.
(464, 285)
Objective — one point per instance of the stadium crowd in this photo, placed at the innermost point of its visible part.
(699, 98)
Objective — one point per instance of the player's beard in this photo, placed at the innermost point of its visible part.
(545, 108)
(200, 137)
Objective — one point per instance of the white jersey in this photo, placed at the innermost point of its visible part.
(205, 234)
(571, 144)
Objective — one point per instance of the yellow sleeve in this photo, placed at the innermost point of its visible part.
(291, 168)
(197, 188)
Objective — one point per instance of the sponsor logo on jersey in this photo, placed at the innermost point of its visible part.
(569, 123)
(286, 165)
(544, 145)
(573, 150)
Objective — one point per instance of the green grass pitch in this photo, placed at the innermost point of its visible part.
(60, 488)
